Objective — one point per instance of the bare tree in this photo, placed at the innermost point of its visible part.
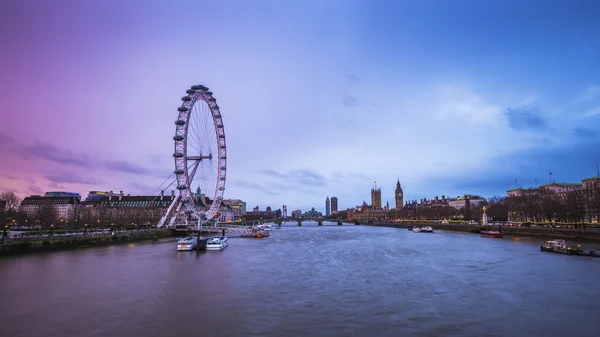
(12, 200)
(103, 215)
(123, 216)
(497, 208)
(76, 215)
(46, 215)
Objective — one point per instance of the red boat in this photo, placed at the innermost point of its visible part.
(492, 234)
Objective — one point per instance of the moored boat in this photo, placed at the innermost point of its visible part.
(560, 246)
(217, 243)
(416, 229)
(492, 234)
(255, 234)
(187, 244)
(426, 229)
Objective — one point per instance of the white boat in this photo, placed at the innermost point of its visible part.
(416, 230)
(217, 243)
(426, 229)
(187, 244)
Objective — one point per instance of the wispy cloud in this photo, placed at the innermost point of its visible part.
(457, 101)
(523, 119)
(349, 177)
(34, 189)
(352, 78)
(301, 176)
(53, 154)
(64, 177)
(590, 94)
(126, 166)
(253, 186)
(63, 157)
(592, 112)
(56, 186)
(349, 101)
(584, 132)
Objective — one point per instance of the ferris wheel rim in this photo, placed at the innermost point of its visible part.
(201, 95)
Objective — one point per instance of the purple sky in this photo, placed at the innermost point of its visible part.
(319, 98)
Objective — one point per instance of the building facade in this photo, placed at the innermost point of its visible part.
(334, 204)
(312, 214)
(327, 207)
(556, 202)
(49, 210)
(237, 206)
(376, 197)
(399, 195)
(121, 210)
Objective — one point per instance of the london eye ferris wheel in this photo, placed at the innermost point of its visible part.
(200, 154)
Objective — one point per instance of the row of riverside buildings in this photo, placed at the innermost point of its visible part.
(68, 209)
(567, 202)
(408, 208)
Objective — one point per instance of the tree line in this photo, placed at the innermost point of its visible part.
(541, 204)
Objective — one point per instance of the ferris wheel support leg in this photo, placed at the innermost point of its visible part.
(164, 218)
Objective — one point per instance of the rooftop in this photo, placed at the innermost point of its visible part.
(561, 184)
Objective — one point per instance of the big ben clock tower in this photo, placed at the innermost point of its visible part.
(399, 197)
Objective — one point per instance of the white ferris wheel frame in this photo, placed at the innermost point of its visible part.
(198, 94)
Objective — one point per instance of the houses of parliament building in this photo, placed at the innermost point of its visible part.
(375, 209)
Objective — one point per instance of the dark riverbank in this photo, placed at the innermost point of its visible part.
(64, 242)
(588, 234)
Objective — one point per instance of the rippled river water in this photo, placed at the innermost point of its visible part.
(305, 281)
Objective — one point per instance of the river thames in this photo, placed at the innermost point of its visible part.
(305, 281)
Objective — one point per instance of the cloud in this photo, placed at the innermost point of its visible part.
(71, 178)
(592, 112)
(34, 189)
(352, 78)
(279, 186)
(523, 119)
(349, 101)
(125, 166)
(56, 186)
(349, 177)
(584, 133)
(253, 186)
(54, 154)
(459, 102)
(569, 163)
(301, 176)
(590, 94)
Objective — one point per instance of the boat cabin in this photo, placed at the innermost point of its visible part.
(559, 244)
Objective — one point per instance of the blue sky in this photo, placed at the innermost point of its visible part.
(319, 98)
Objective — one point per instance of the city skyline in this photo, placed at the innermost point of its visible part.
(451, 98)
